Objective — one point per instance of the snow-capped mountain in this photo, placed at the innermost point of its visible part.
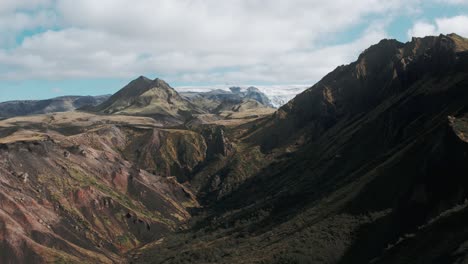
(278, 94)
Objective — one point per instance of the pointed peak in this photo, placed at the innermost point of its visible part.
(143, 78)
(138, 82)
(385, 48)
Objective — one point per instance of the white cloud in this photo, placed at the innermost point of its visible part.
(447, 25)
(421, 29)
(192, 40)
(8, 6)
(458, 24)
(17, 16)
(82, 53)
(454, 2)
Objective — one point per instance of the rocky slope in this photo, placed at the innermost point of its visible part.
(368, 165)
(58, 104)
(72, 189)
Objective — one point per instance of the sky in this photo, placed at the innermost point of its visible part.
(51, 48)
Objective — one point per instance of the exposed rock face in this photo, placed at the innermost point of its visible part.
(217, 142)
(59, 104)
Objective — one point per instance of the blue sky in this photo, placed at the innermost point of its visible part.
(51, 48)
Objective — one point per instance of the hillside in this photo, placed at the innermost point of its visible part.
(145, 97)
(58, 104)
(353, 170)
(73, 187)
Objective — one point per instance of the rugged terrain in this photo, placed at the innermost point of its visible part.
(72, 189)
(366, 166)
(91, 186)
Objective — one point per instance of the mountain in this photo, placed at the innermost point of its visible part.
(155, 98)
(58, 104)
(236, 100)
(146, 97)
(254, 93)
(277, 95)
(366, 166)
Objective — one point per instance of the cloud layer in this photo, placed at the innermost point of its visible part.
(201, 41)
(446, 25)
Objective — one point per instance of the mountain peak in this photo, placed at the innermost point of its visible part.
(143, 78)
(146, 97)
(384, 47)
(461, 43)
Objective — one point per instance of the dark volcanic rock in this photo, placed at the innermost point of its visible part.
(217, 142)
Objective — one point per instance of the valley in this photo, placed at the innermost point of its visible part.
(366, 166)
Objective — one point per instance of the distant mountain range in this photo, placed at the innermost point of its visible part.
(146, 97)
(58, 104)
(157, 99)
(277, 94)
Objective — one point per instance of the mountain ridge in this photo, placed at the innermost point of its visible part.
(57, 104)
(366, 166)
